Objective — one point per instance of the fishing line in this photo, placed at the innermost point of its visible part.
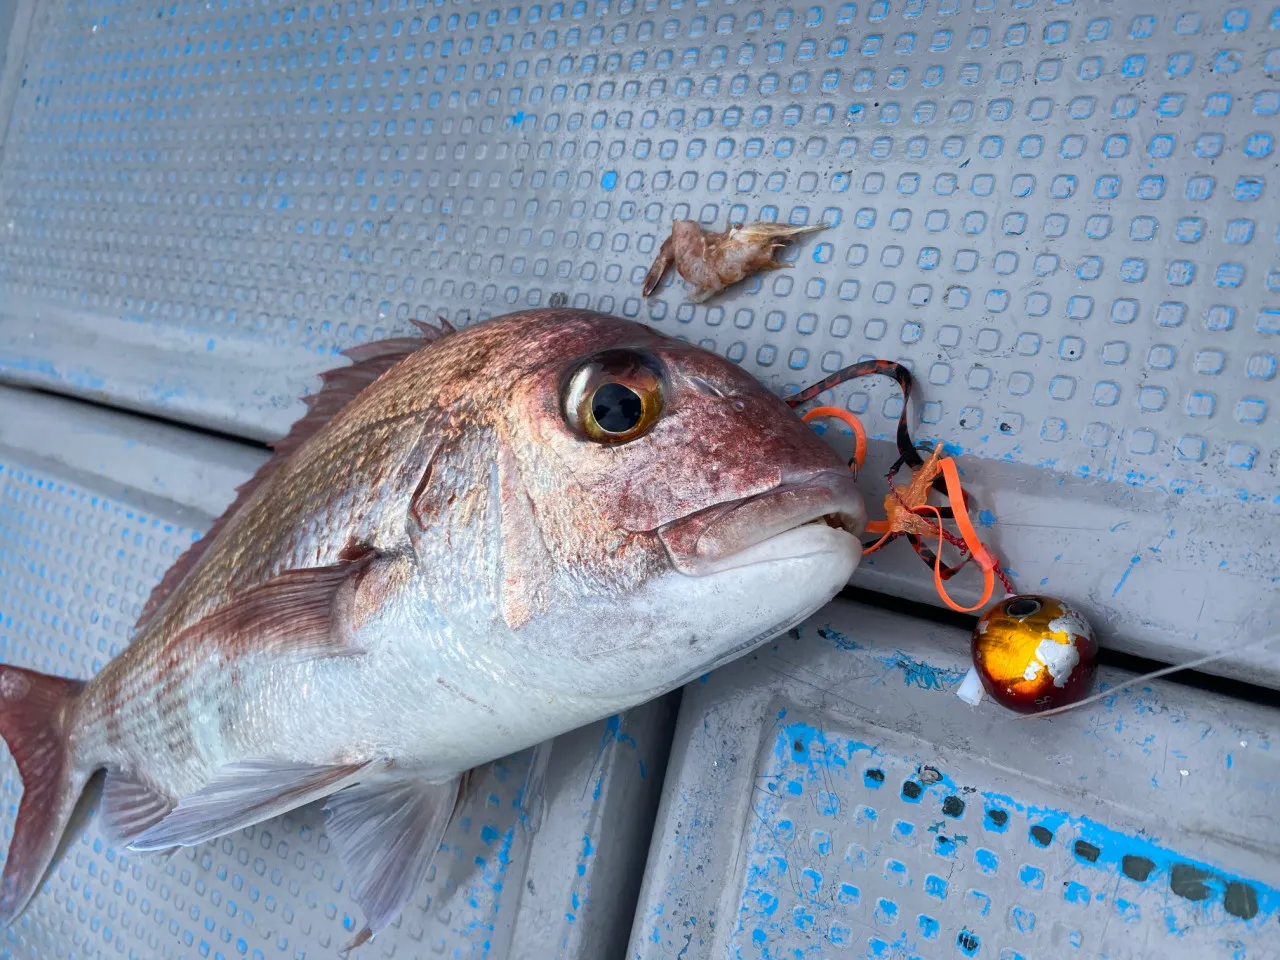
(904, 518)
(946, 481)
(1153, 675)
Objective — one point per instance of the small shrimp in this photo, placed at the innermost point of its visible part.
(710, 262)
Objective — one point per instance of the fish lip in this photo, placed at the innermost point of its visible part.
(708, 541)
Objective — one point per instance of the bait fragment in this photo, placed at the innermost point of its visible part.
(710, 262)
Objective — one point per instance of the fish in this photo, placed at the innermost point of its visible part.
(711, 261)
(473, 541)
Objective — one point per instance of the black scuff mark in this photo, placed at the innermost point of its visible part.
(1087, 851)
(1136, 868)
(1241, 900)
(1189, 882)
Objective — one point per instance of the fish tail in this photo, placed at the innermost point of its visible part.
(34, 722)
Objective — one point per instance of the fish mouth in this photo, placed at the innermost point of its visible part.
(732, 534)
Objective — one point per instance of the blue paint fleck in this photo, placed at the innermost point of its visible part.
(75, 376)
(886, 912)
(986, 518)
(811, 882)
(986, 860)
(1133, 561)
(935, 886)
(612, 734)
(917, 673)
(836, 637)
(1076, 893)
(895, 871)
(996, 820)
(1032, 877)
(975, 901)
(828, 803)
(801, 918)
(609, 180)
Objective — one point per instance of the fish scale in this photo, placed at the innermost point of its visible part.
(316, 514)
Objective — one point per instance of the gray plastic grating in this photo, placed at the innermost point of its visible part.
(1055, 211)
(831, 797)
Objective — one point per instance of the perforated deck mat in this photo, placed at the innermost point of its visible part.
(1055, 213)
(832, 797)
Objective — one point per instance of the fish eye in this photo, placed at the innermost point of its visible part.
(614, 397)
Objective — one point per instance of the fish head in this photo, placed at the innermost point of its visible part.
(659, 511)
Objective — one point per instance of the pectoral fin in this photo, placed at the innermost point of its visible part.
(293, 614)
(386, 831)
(243, 794)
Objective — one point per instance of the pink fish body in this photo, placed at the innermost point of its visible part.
(473, 542)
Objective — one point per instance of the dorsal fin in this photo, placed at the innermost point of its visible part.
(339, 387)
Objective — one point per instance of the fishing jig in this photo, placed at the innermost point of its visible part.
(908, 514)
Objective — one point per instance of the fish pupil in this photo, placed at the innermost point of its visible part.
(617, 408)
